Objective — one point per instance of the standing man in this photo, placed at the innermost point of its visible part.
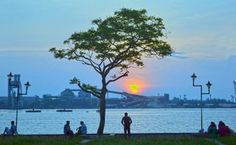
(126, 121)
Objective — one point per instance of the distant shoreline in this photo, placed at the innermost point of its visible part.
(124, 108)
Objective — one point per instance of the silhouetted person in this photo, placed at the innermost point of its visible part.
(126, 121)
(82, 130)
(67, 130)
(212, 130)
(223, 130)
(12, 130)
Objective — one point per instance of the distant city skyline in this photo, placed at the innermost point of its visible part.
(201, 32)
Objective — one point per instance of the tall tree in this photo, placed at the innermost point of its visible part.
(114, 45)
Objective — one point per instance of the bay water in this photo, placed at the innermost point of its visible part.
(161, 120)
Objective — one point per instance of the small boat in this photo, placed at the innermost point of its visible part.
(33, 110)
(98, 110)
(64, 110)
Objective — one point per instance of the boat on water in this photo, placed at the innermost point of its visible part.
(64, 110)
(98, 110)
(33, 110)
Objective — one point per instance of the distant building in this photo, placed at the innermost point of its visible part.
(4, 102)
(29, 102)
(158, 101)
(84, 94)
(67, 93)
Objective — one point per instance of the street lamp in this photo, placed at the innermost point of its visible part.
(17, 85)
(201, 94)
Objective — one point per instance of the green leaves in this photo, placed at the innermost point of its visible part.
(90, 88)
(75, 81)
(86, 87)
(58, 53)
(117, 42)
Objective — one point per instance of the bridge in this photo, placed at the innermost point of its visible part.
(123, 94)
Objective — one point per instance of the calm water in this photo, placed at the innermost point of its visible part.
(144, 120)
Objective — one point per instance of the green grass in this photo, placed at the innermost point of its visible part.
(18, 140)
(151, 141)
(228, 140)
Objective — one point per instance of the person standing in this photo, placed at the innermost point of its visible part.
(126, 122)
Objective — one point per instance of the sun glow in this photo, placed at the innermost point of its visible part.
(134, 88)
(134, 85)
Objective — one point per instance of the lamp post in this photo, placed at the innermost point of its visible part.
(19, 92)
(201, 94)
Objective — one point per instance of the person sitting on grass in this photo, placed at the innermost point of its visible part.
(67, 130)
(212, 130)
(224, 130)
(12, 130)
(82, 130)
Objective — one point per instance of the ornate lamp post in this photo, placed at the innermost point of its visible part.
(19, 92)
(201, 94)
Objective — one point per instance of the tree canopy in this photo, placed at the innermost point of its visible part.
(119, 41)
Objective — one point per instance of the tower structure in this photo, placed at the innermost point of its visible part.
(14, 88)
(234, 91)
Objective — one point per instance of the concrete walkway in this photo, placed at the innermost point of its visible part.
(216, 141)
(84, 141)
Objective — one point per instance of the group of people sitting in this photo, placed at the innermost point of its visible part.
(81, 130)
(223, 130)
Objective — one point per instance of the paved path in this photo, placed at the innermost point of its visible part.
(216, 141)
(84, 141)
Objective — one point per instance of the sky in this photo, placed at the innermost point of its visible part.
(201, 32)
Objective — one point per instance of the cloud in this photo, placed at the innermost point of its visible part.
(179, 55)
(206, 44)
(12, 50)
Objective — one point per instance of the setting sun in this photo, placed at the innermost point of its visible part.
(134, 85)
(134, 88)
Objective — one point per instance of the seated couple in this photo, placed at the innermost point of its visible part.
(82, 130)
(223, 130)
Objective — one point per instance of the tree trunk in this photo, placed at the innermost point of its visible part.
(102, 111)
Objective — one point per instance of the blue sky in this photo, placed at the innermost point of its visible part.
(202, 32)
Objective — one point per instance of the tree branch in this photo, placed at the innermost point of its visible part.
(89, 62)
(117, 78)
(96, 94)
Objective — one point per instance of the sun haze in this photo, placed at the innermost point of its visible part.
(134, 88)
(134, 85)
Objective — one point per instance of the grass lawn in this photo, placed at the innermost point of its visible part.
(151, 141)
(229, 140)
(20, 140)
